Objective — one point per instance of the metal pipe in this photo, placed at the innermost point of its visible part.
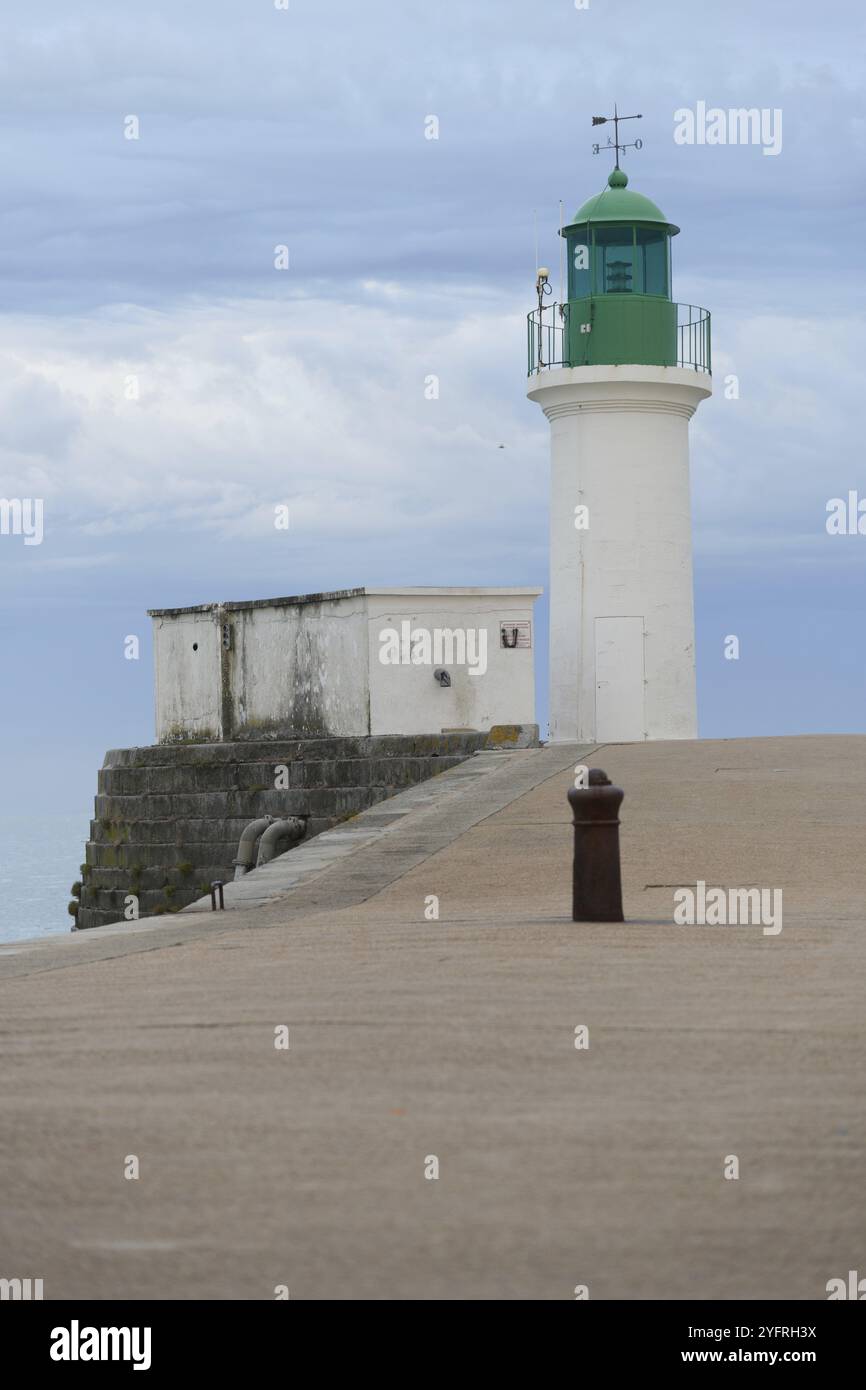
(293, 828)
(246, 856)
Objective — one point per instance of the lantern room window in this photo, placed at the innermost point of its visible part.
(613, 261)
(579, 259)
(651, 248)
(627, 259)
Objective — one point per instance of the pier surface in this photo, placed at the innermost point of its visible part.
(454, 1038)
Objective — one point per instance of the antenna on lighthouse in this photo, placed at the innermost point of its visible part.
(615, 143)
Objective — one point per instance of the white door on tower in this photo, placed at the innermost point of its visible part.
(619, 680)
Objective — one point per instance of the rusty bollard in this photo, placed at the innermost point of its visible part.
(597, 886)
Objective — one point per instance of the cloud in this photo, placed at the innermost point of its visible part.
(152, 260)
(307, 127)
(37, 417)
(245, 405)
(766, 461)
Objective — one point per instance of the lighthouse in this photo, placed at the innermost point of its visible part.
(619, 369)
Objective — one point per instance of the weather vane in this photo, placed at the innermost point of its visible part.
(615, 144)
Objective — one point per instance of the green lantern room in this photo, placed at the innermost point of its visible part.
(619, 280)
(619, 308)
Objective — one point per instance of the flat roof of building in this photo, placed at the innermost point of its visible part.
(373, 591)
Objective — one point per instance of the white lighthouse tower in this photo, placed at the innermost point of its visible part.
(619, 370)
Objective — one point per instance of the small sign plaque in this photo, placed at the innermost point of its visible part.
(517, 634)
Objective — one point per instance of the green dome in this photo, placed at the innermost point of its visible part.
(617, 203)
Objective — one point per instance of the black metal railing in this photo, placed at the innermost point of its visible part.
(547, 338)
(693, 338)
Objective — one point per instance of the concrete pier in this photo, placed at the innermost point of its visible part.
(411, 1037)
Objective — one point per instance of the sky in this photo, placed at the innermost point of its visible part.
(163, 385)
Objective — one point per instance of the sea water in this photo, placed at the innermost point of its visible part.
(40, 859)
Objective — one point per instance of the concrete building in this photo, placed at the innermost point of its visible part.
(619, 370)
(352, 662)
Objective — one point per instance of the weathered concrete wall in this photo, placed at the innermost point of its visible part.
(311, 666)
(168, 818)
(187, 676)
(301, 667)
(406, 697)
